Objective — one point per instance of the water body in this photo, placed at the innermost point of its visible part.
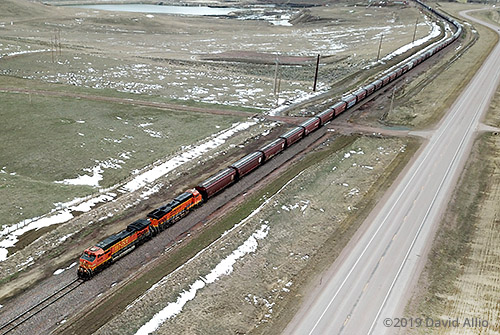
(158, 9)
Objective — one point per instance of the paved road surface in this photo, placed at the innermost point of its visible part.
(369, 281)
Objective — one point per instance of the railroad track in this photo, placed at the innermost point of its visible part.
(40, 306)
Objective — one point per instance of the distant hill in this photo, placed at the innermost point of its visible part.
(19, 9)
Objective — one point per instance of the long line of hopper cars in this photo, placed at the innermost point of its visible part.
(101, 255)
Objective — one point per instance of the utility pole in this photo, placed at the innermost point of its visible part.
(56, 43)
(278, 93)
(275, 86)
(59, 41)
(392, 99)
(52, 48)
(316, 74)
(379, 46)
(415, 31)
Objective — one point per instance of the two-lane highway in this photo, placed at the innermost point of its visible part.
(369, 281)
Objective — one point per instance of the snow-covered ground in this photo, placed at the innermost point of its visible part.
(59, 271)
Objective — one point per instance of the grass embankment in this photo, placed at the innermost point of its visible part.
(332, 247)
(492, 16)
(459, 279)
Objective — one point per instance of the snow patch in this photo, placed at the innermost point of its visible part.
(65, 237)
(303, 96)
(62, 213)
(13, 237)
(436, 30)
(151, 190)
(224, 268)
(24, 52)
(97, 171)
(58, 272)
(87, 205)
(82, 180)
(161, 170)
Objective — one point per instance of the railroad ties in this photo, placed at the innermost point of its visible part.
(32, 311)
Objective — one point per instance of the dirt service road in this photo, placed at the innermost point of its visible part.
(366, 288)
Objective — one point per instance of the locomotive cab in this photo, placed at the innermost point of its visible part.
(88, 262)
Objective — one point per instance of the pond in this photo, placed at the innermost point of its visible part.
(160, 9)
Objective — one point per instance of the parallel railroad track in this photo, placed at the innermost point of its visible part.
(40, 306)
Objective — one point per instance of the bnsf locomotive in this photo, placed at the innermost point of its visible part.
(101, 255)
(96, 258)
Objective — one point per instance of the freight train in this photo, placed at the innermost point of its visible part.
(101, 255)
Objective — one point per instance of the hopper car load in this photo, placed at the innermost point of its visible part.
(310, 125)
(97, 257)
(350, 100)
(369, 89)
(326, 116)
(248, 163)
(386, 80)
(360, 94)
(293, 135)
(273, 148)
(340, 107)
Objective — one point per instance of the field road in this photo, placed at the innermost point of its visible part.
(370, 280)
(161, 105)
